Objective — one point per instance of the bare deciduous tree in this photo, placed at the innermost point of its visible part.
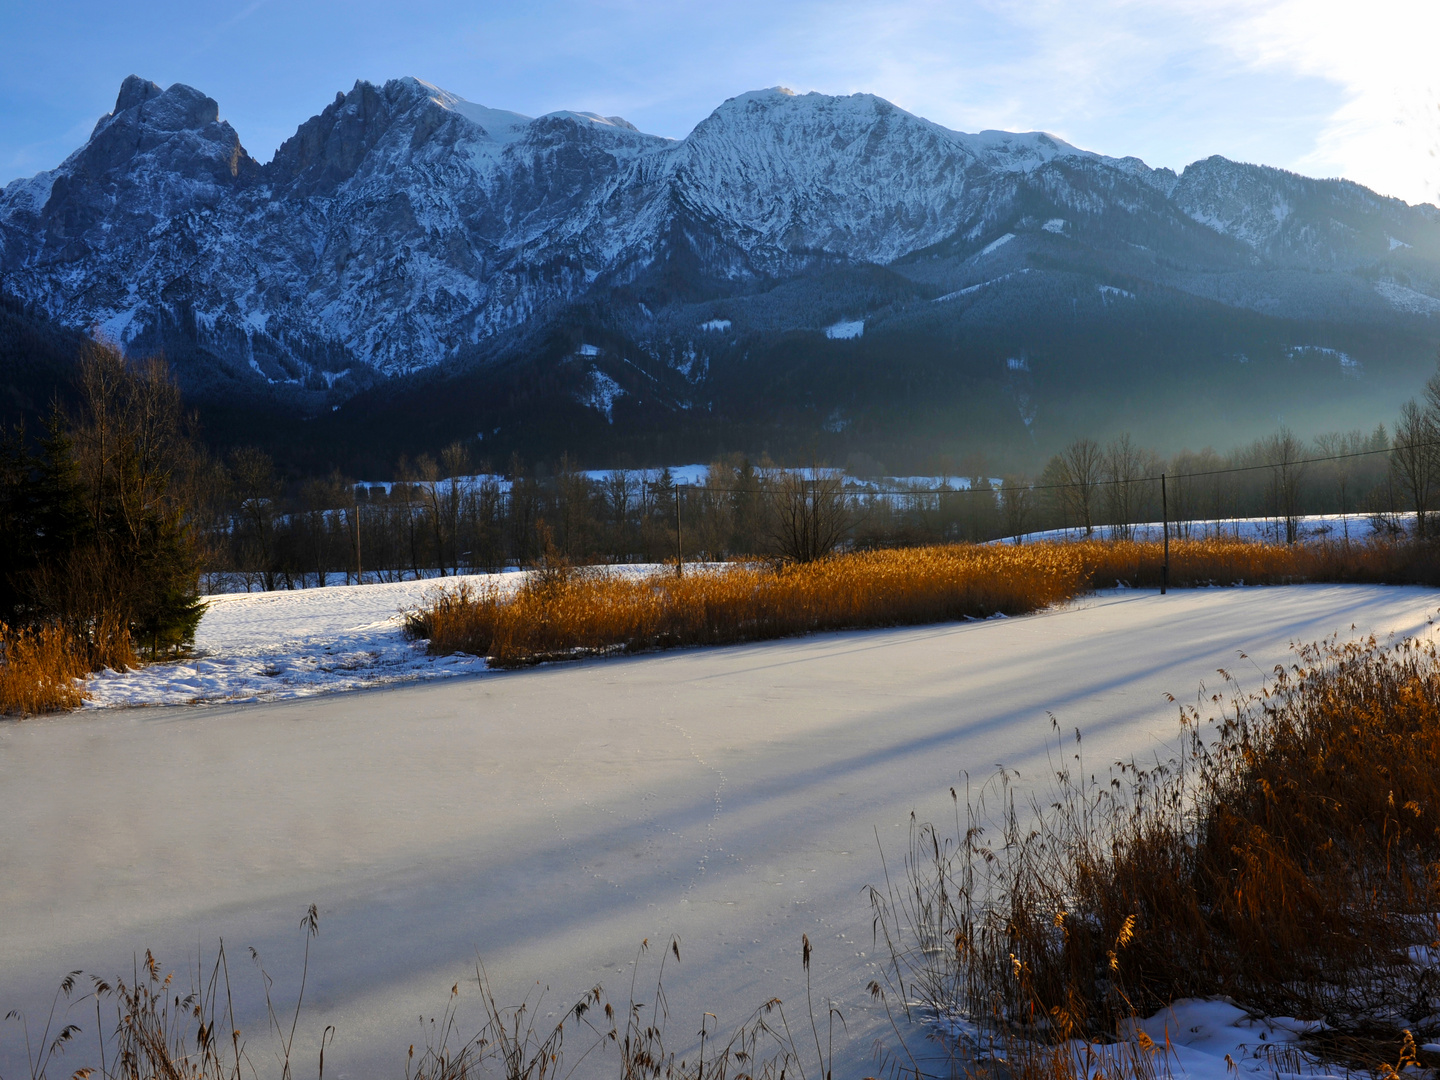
(1015, 506)
(1285, 453)
(1124, 466)
(1084, 465)
(1342, 447)
(1413, 460)
(809, 514)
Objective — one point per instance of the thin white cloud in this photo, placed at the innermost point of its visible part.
(1319, 86)
(1386, 135)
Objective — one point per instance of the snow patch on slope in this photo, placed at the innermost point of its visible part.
(997, 244)
(976, 288)
(844, 330)
(1348, 364)
(1406, 299)
(601, 394)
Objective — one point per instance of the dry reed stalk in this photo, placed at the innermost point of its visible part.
(108, 644)
(161, 1032)
(1230, 561)
(40, 670)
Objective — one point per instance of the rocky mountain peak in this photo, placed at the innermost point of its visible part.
(135, 91)
(180, 108)
(158, 154)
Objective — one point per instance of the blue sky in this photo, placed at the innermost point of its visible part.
(1320, 86)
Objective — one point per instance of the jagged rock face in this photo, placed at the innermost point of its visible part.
(402, 225)
(853, 176)
(159, 153)
(1297, 220)
(393, 222)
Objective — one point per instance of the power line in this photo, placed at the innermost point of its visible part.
(764, 485)
(1155, 478)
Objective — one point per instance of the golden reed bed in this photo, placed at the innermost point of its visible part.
(40, 672)
(561, 613)
(41, 668)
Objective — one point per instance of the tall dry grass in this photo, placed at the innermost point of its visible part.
(148, 1027)
(1289, 860)
(555, 615)
(1230, 561)
(560, 612)
(40, 671)
(41, 668)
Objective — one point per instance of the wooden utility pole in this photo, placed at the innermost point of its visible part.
(1165, 532)
(359, 578)
(679, 547)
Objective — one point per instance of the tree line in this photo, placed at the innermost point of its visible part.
(114, 521)
(449, 515)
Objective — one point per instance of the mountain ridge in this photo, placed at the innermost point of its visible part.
(404, 230)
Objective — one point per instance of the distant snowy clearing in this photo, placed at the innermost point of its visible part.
(1352, 527)
(548, 820)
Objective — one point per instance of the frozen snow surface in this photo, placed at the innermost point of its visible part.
(274, 645)
(1202, 1034)
(1199, 1039)
(548, 820)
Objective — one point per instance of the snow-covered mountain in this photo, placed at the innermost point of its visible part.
(404, 229)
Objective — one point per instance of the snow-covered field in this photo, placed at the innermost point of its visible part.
(550, 819)
(267, 646)
(1354, 527)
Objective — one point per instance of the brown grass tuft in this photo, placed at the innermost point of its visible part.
(41, 668)
(1230, 561)
(40, 671)
(1289, 860)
